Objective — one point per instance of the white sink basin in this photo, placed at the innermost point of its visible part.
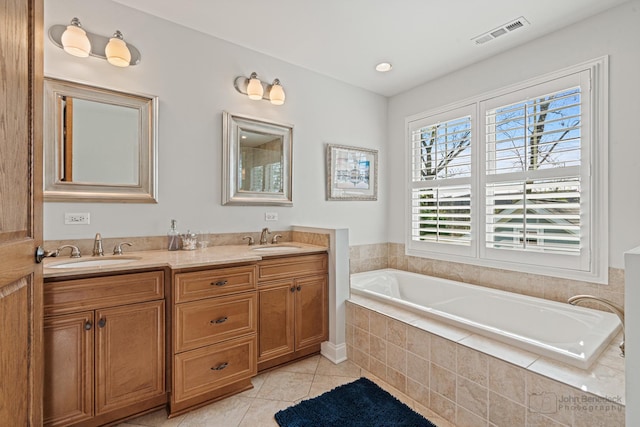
(93, 262)
(275, 248)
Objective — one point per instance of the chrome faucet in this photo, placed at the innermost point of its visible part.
(263, 236)
(611, 306)
(75, 252)
(97, 246)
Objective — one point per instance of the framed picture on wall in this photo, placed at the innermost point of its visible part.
(352, 173)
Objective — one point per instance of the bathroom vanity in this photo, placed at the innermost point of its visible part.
(176, 329)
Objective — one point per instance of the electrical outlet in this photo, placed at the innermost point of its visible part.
(271, 216)
(76, 218)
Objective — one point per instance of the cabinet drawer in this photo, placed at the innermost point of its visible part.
(209, 283)
(200, 323)
(206, 369)
(87, 294)
(288, 267)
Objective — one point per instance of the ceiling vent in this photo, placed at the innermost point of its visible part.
(501, 30)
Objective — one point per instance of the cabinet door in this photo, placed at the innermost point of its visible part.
(129, 354)
(68, 371)
(311, 311)
(275, 321)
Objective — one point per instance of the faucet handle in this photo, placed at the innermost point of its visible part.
(117, 249)
(251, 241)
(275, 238)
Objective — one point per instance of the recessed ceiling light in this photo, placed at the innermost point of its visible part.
(383, 67)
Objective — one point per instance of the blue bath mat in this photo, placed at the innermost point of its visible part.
(358, 404)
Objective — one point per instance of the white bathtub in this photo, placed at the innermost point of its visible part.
(566, 333)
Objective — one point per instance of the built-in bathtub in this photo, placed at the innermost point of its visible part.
(563, 332)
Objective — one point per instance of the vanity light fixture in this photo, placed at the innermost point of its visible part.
(76, 41)
(117, 52)
(256, 89)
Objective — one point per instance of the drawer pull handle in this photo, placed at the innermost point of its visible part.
(102, 322)
(220, 320)
(220, 367)
(88, 326)
(219, 283)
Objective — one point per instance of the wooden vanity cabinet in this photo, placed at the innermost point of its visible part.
(104, 341)
(214, 330)
(293, 308)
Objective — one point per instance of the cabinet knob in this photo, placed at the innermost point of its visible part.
(102, 322)
(219, 283)
(220, 367)
(88, 326)
(298, 288)
(293, 289)
(220, 320)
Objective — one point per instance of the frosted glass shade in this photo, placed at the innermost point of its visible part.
(277, 95)
(75, 41)
(118, 53)
(255, 89)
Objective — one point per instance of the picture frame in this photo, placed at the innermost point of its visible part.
(352, 173)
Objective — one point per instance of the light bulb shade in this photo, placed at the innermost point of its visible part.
(118, 53)
(75, 41)
(255, 89)
(276, 95)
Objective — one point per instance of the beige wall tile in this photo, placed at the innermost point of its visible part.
(361, 340)
(361, 317)
(378, 325)
(505, 413)
(443, 406)
(418, 369)
(473, 365)
(359, 358)
(397, 358)
(418, 392)
(545, 396)
(397, 379)
(472, 396)
(443, 381)
(397, 333)
(535, 419)
(378, 368)
(418, 342)
(507, 380)
(443, 352)
(378, 348)
(466, 418)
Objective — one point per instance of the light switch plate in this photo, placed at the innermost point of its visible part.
(271, 216)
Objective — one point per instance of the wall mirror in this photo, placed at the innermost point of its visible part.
(257, 165)
(100, 145)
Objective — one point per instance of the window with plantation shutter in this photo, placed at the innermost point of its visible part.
(515, 179)
(441, 179)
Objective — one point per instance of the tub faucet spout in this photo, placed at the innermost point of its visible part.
(611, 306)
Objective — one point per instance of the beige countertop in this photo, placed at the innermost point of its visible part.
(211, 256)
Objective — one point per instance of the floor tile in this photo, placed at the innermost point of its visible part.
(276, 390)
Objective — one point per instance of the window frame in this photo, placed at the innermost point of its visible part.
(594, 169)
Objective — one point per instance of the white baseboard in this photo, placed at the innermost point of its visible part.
(335, 353)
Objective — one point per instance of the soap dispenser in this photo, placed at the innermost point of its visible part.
(173, 237)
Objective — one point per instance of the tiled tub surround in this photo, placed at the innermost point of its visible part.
(392, 255)
(473, 381)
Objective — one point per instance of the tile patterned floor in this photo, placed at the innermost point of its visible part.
(276, 390)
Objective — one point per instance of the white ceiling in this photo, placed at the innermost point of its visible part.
(345, 39)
